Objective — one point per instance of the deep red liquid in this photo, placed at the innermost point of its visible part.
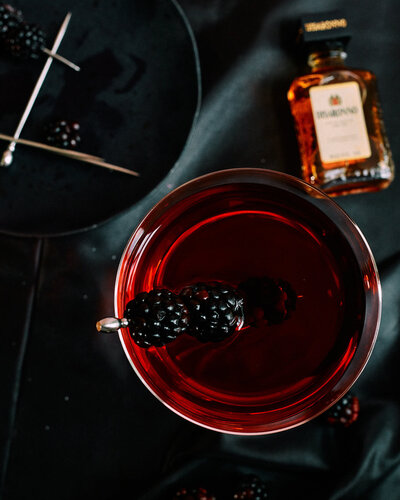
(266, 360)
(231, 233)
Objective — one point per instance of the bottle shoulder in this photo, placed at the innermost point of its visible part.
(330, 76)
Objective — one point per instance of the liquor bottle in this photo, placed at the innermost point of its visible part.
(340, 131)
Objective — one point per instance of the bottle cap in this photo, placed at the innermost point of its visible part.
(325, 30)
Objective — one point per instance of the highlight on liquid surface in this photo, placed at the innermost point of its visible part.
(230, 233)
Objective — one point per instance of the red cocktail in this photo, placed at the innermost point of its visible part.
(229, 226)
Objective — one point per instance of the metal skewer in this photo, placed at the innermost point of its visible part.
(111, 325)
(7, 157)
(74, 155)
(61, 59)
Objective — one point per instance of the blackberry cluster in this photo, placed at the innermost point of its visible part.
(267, 299)
(251, 488)
(215, 310)
(10, 19)
(345, 412)
(193, 494)
(156, 317)
(63, 134)
(210, 312)
(24, 41)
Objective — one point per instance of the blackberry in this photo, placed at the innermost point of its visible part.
(251, 488)
(268, 299)
(193, 494)
(10, 19)
(156, 317)
(63, 134)
(215, 310)
(344, 412)
(25, 41)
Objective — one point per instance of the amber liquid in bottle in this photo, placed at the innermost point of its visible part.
(339, 127)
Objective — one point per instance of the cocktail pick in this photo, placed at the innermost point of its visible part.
(7, 157)
(61, 59)
(47, 147)
(74, 155)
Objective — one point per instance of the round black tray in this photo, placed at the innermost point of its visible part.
(136, 97)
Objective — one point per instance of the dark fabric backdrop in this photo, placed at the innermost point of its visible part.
(77, 421)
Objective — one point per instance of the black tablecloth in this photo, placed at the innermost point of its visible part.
(76, 422)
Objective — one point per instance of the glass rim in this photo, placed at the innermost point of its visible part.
(359, 246)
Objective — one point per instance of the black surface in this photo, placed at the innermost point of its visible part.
(135, 98)
(111, 438)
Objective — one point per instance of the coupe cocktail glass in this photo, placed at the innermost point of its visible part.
(235, 224)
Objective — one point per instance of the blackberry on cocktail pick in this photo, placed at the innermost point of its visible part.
(10, 18)
(216, 310)
(210, 312)
(193, 494)
(156, 318)
(24, 41)
(268, 299)
(63, 134)
(251, 488)
(344, 412)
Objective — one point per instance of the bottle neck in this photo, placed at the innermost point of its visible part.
(326, 58)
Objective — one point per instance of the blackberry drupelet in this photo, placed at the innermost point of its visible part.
(215, 310)
(156, 317)
(344, 412)
(268, 299)
(193, 494)
(63, 134)
(25, 41)
(10, 19)
(251, 488)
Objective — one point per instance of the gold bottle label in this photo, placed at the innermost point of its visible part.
(339, 122)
